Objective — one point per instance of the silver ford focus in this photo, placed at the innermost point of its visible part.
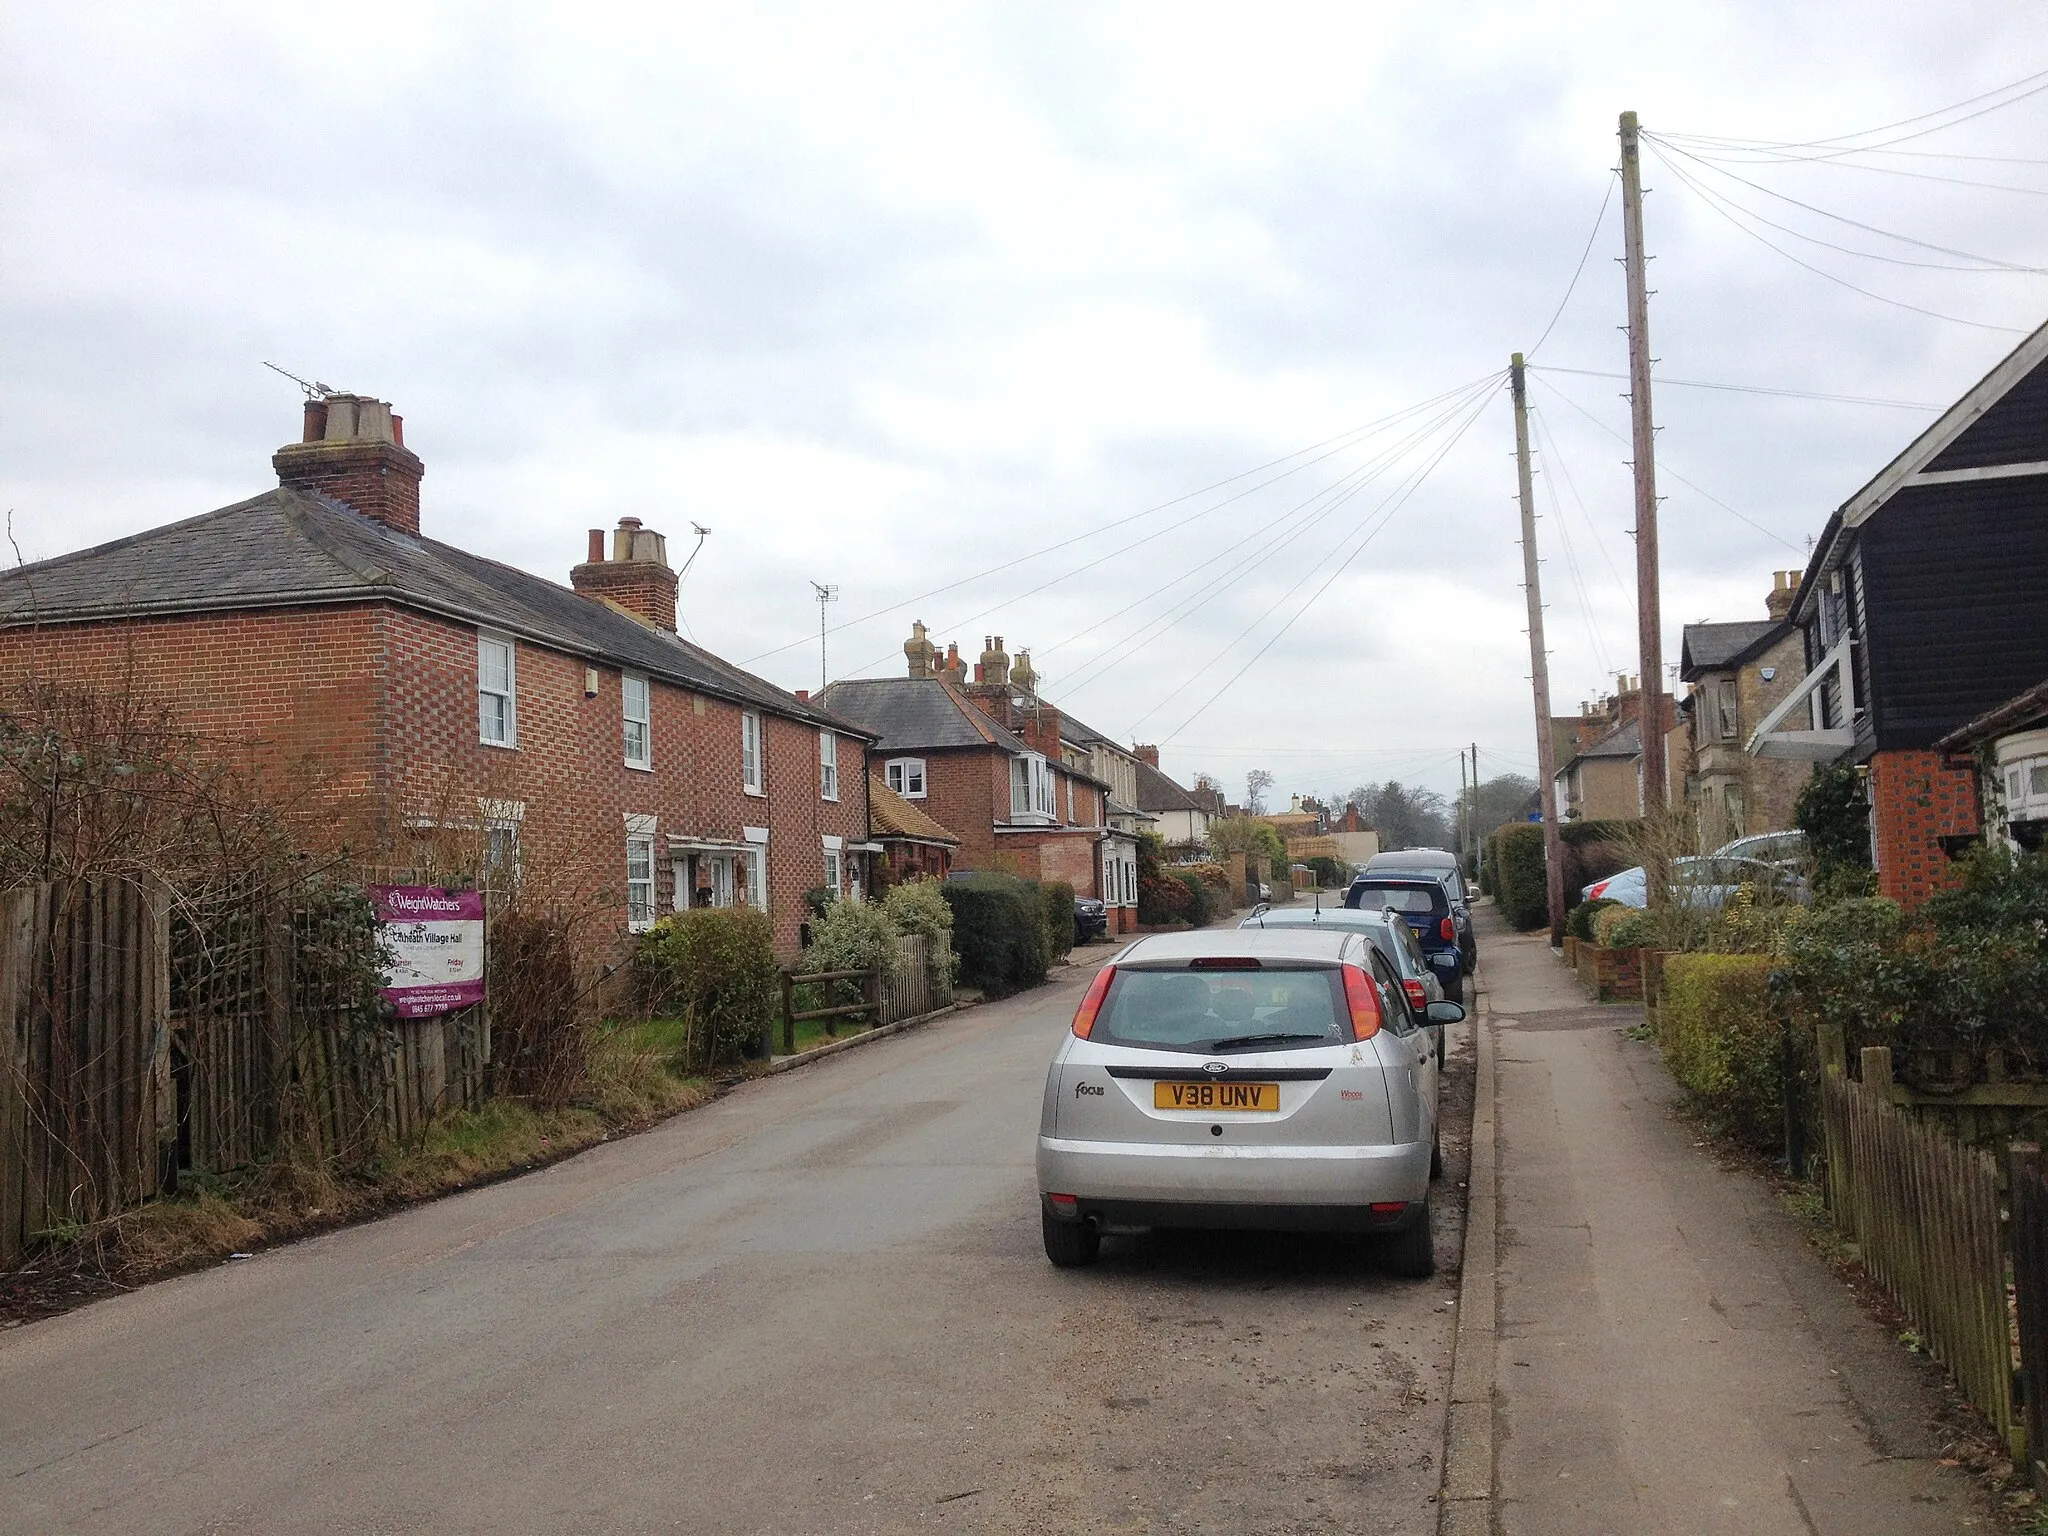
(1274, 1080)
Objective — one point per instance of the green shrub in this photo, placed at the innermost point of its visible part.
(1578, 922)
(854, 936)
(714, 968)
(1627, 928)
(1518, 875)
(1832, 811)
(1058, 897)
(1722, 1039)
(998, 932)
(919, 907)
(1201, 910)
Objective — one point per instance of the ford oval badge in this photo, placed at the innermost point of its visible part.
(1215, 1068)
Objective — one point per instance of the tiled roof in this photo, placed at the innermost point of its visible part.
(1705, 647)
(1625, 740)
(914, 714)
(2017, 713)
(890, 815)
(289, 548)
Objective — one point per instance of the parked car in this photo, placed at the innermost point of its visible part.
(1439, 864)
(1243, 1079)
(1390, 935)
(1787, 850)
(1426, 906)
(1091, 919)
(1705, 882)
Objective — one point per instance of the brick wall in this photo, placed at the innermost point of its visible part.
(1914, 802)
(375, 710)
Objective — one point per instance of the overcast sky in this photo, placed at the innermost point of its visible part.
(893, 296)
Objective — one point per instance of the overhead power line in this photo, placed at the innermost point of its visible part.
(1746, 389)
(2033, 85)
(1599, 221)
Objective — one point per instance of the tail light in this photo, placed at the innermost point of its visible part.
(1363, 999)
(1449, 929)
(1596, 891)
(1091, 1001)
(1416, 995)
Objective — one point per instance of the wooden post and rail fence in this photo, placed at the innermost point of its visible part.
(909, 993)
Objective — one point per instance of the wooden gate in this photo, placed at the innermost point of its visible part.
(83, 1054)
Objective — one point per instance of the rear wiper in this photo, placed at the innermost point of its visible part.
(1237, 1040)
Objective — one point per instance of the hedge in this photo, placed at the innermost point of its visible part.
(713, 967)
(1723, 1042)
(1578, 922)
(1059, 919)
(1592, 851)
(998, 931)
(1201, 905)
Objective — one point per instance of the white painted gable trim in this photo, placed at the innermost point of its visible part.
(1954, 422)
(1982, 472)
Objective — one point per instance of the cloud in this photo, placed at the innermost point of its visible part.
(895, 296)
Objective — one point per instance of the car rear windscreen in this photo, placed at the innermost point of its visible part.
(1396, 898)
(1267, 1009)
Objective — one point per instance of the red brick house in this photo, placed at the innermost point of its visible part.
(910, 844)
(983, 757)
(314, 628)
(1924, 606)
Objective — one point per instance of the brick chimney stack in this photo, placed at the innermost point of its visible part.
(953, 669)
(353, 451)
(1148, 755)
(1784, 593)
(636, 578)
(919, 651)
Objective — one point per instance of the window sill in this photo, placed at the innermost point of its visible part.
(502, 746)
(829, 799)
(640, 767)
(758, 794)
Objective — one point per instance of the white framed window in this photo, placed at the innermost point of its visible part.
(757, 866)
(832, 872)
(828, 765)
(753, 763)
(905, 775)
(639, 880)
(497, 692)
(636, 705)
(1032, 789)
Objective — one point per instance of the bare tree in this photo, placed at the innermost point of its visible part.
(1256, 783)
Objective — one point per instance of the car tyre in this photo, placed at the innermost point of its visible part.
(1069, 1244)
(1454, 991)
(1436, 1156)
(1411, 1254)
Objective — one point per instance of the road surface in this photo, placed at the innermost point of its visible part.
(817, 1305)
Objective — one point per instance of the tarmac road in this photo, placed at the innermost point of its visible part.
(818, 1305)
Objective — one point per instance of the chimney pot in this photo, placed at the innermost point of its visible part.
(349, 450)
(636, 578)
(596, 555)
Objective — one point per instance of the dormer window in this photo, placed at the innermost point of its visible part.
(905, 775)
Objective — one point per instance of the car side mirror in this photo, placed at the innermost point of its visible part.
(1446, 1013)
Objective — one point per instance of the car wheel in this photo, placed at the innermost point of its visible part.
(1069, 1244)
(1436, 1156)
(1454, 991)
(1411, 1254)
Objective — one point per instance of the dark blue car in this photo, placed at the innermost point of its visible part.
(1426, 906)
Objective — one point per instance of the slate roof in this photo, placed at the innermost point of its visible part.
(288, 548)
(1156, 792)
(890, 815)
(1625, 740)
(914, 714)
(1708, 647)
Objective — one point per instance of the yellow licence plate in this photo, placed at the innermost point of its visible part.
(1264, 1097)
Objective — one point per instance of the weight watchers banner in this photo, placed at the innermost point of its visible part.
(436, 942)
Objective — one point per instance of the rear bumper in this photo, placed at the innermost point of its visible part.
(1282, 1188)
(1143, 1215)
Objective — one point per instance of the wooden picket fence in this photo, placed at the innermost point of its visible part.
(2027, 1232)
(911, 993)
(1924, 1211)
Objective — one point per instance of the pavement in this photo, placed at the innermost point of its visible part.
(816, 1305)
(1669, 1353)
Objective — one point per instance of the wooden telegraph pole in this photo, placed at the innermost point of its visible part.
(1649, 604)
(1539, 661)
